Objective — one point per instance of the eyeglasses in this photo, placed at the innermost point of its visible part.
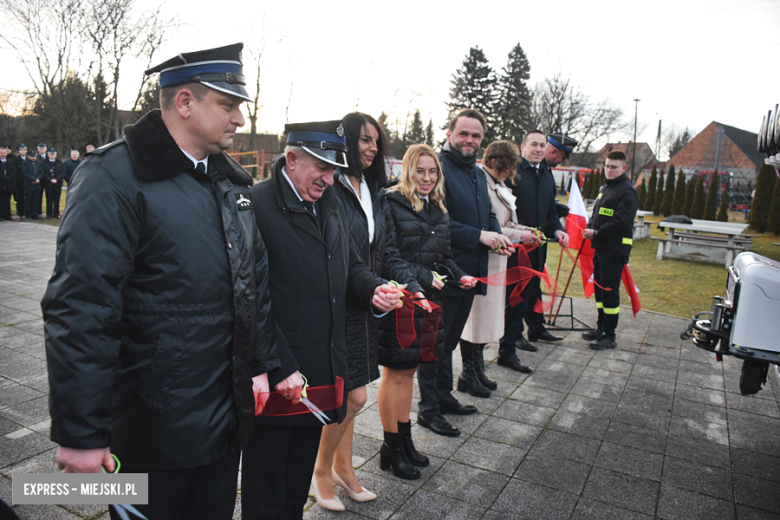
(432, 173)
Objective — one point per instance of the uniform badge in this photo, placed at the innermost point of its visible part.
(243, 202)
(340, 130)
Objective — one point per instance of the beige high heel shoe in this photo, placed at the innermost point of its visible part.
(363, 496)
(333, 504)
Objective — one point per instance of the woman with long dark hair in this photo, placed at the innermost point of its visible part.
(361, 187)
(422, 230)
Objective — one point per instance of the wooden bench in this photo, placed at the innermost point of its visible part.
(698, 248)
(641, 229)
(742, 240)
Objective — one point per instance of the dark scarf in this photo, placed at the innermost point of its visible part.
(455, 156)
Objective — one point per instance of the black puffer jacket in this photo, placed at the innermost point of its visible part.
(423, 240)
(158, 312)
(383, 260)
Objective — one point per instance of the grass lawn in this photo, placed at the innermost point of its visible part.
(677, 287)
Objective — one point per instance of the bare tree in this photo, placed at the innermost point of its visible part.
(560, 106)
(114, 32)
(44, 36)
(256, 50)
(53, 40)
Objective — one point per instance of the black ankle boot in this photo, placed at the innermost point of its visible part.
(392, 454)
(468, 381)
(412, 455)
(479, 368)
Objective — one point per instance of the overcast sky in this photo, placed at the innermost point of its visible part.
(689, 61)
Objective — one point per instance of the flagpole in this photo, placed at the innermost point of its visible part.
(557, 273)
(573, 267)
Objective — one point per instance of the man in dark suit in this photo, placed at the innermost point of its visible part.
(313, 270)
(535, 189)
(474, 231)
(8, 174)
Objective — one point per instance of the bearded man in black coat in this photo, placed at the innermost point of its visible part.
(314, 269)
(474, 231)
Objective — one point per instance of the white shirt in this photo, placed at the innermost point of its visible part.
(195, 161)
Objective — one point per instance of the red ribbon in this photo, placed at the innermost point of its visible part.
(326, 397)
(405, 330)
(521, 275)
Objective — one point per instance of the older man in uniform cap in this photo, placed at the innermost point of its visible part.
(158, 314)
(313, 270)
(535, 189)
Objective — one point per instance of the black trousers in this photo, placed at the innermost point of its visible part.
(53, 193)
(18, 193)
(205, 492)
(607, 270)
(32, 200)
(5, 203)
(276, 471)
(435, 378)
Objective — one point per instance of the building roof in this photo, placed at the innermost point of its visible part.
(626, 148)
(738, 150)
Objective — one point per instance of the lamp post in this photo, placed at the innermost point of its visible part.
(633, 152)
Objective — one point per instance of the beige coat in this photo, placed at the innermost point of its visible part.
(486, 320)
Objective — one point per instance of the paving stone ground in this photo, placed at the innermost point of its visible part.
(654, 429)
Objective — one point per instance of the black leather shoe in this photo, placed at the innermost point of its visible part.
(544, 337)
(591, 335)
(603, 342)
(454, 407)
(523, 344)
(438, 424)
(514, 363)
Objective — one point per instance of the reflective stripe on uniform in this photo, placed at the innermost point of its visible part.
(611, 310)
(628, 241)
(600, 194)
(606, 212)
(599, 305)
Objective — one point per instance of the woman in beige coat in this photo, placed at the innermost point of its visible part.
(486, 320)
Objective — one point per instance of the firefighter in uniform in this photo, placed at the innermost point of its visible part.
(610, 231)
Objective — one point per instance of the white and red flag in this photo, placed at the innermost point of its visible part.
(576, 221)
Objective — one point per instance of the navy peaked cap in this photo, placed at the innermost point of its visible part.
(219, 69)
(562, 142)
(323, 139)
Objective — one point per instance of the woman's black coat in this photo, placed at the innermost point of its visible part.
(423, 239)
(382, 258)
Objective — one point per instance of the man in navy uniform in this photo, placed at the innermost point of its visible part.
(313, 270)
(535, 189)
(157, 316)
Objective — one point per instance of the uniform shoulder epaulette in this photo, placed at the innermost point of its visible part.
(106, 147)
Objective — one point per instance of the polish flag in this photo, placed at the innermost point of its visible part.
(576, 221)
(631, 289)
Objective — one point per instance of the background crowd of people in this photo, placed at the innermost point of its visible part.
(27, 175)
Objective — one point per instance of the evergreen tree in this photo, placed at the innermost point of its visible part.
(429, 133)
(641, 193)
(711, 206)
(697, 208)
(659, 195)
(416, 133)
(679, 194)
(723, 210)
(690, 189)
(650, 200)
(773, 219)
(765, 185)
(666, 204)
(585, 188)
(513, 104)
(474, 86)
